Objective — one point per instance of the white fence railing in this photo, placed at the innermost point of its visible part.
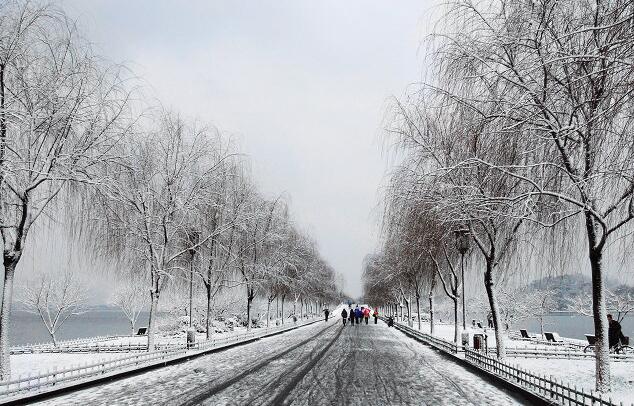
(560, 353)
(41, 382)
(49, 347)
(94, 347)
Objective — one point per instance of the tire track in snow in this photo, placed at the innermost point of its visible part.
(198, 397)
(444, 376)
(280, 399)
(271, 387)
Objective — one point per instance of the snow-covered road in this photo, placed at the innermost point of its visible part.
(322, 364)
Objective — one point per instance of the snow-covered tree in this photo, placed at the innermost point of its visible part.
(619, 301)
(130, 296)
(144, 210)
(55, 298)
(565, 69)
(62, 109)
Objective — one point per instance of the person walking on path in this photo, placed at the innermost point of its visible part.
(366, 314)
(358, 314)
(376, 314)
(344, 316)
(352, 317)
(326, 312)
(615, 333)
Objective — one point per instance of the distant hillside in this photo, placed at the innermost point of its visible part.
(570, 286)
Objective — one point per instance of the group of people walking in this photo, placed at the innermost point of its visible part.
(357, 315)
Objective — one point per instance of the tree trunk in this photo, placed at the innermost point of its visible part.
(268, 312)
(132, 327)
(489, 284)
(208, 312)
(431, 313)
(283, 298)
(154, 298)
(599, 312)
(249, 300)
(431, 304)
(54, 339)
(5, 317)
(456, 321)
(409, 310)
(418, 310)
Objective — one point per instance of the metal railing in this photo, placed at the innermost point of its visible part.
(560, 353)
(546, 387)
(50, 347)
(39, 382)
(35, 383)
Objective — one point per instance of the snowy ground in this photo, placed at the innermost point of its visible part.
(39, 363)
(446, 332)
(577, 372)
(322, 364)
(580, 373)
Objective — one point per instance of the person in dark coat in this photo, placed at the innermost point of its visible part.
(615, 333)
(351, 314)
(326, 313)
(357, 315)
(344, 316)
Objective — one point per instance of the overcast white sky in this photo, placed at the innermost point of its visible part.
(303, 84)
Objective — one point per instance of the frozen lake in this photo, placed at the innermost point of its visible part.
(572, 325)
(27, 328)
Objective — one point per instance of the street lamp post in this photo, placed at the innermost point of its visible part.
(463, 239)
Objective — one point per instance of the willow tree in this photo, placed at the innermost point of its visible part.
(62, 109)
(145, 210)
(444, 143)
(568, 70)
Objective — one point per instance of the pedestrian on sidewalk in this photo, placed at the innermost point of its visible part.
(352, 317)
(358, 314)
(376, 314)
(344, 316)
(366, 314)
(326, 312)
